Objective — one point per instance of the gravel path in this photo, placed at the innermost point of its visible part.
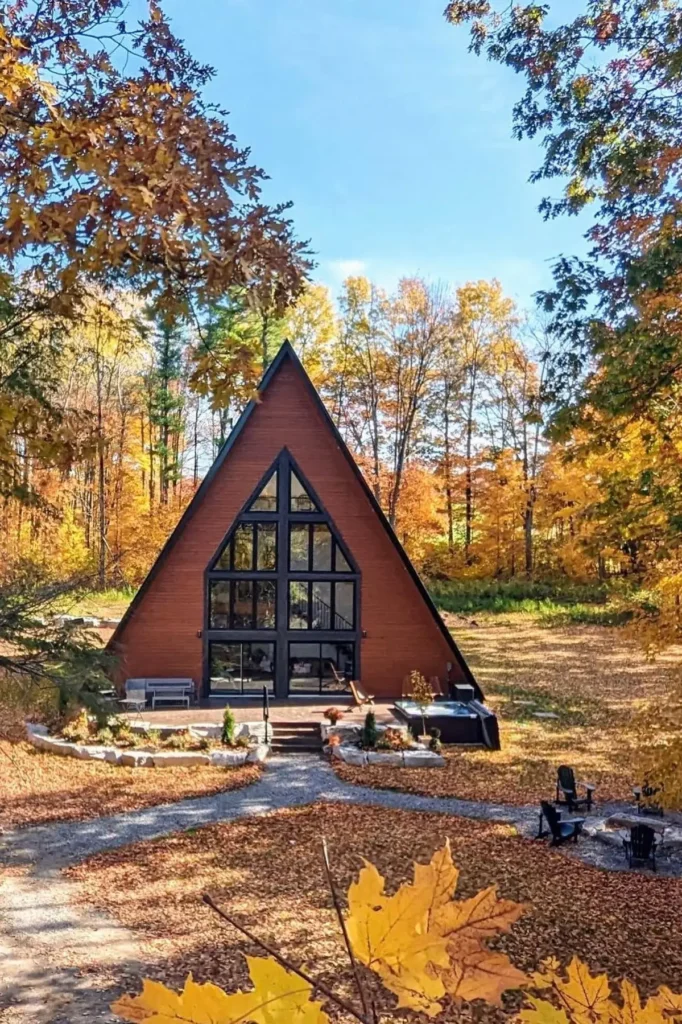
(51, 947)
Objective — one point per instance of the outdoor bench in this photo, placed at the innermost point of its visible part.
(171, 691)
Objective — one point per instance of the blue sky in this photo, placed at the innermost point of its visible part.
(393, 142)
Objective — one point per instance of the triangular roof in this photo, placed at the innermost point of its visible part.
(287, 353)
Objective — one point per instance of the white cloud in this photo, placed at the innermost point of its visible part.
(342, 269)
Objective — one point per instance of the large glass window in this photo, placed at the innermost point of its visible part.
(300, 500)
(282, 550)
(267, 499)
(313, 548)
(241, 667)
(321, 604)
(242, 604)
(252, 547)
(320, 668)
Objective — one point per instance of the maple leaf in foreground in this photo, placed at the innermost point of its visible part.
(583, 998)
(423, 944)
(278, 997)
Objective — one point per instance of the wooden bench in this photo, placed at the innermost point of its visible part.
(174, 691)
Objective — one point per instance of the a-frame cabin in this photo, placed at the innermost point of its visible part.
(283, 570)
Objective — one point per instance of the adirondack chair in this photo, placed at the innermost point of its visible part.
(561, 829)
(567, 790)
(359, 696)
(641, 845)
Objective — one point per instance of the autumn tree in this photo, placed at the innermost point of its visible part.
(483, 317)
(116, 171)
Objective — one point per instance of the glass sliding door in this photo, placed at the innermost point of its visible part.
(241, 668)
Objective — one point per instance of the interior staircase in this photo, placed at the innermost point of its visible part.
(295, 737)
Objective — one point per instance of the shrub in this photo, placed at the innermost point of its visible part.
(79, 729)
(229, 723)
(369, 731)
(393, 739)
(333, 715)
(242, 741)
(435, 743)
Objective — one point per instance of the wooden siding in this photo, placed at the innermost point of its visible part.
(160, 637)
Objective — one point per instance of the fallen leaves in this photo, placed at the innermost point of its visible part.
(38, 787)
(269, 872)
(592, 677)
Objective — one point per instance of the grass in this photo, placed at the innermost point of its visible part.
(593, 679)
(101, 604)
(552, 604)
(268, 872)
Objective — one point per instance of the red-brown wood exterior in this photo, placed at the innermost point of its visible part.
(159, 637)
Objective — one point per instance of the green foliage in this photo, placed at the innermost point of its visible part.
(55, 668)
(369, 735)
(229, 725)
(435, 742)
(499, 596)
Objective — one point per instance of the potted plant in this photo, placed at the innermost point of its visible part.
(333, 715)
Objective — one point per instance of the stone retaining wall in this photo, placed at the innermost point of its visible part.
(417, 758)
(39, 736)
(349, 748)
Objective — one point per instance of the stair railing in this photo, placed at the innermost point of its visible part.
(266, 713)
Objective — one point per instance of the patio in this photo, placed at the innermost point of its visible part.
(299, 710)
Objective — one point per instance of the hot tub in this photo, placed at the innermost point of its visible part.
(459, 722)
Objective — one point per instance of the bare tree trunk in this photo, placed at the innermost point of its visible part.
(469, 481)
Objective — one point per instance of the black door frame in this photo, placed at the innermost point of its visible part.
(281, 636)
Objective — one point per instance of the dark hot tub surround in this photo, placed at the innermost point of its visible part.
(467, 722)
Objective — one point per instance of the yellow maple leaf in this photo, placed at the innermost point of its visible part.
(585, 996)
(541, 1011)
(278, 997)
(423, 944)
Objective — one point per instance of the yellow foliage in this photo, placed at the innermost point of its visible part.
(579, 997)
(423, 944)
(278, 996)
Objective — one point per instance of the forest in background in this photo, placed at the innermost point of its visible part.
(145, 285)
(441, 394)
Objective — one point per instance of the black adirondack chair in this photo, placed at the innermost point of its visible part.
(646, 804)
(641, 846)
(561, 829)
(567, 790)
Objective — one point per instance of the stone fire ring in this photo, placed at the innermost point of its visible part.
(40, 738)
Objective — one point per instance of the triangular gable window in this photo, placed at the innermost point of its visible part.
(266, 501)
(300, 500)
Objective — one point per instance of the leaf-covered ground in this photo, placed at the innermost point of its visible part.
(37, 787)
(268, 873)
(593, 678)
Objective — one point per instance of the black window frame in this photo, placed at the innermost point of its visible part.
(281, 633)
(241, 643)
(314, 642)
